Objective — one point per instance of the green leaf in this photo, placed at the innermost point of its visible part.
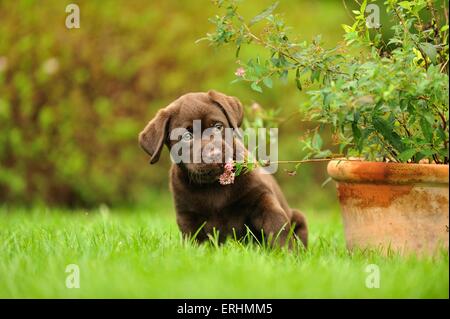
(264, 14)
(238, 50)
(430, 50)
(407, 154)
(315, 75)
(362, 9)
(268, 82)
(357, 134)
(317, 141)
(418, 157)
(425, 153)
(256, 87)
(441, 133)
(426, 129)
(236, 80)
(238, 170)
(297, 80)
(347, 28)
(387, 131)
(405, 5)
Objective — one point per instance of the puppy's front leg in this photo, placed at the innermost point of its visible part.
(272, 220)
(189, 224)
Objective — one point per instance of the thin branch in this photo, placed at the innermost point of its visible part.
(266, 44)
(434, 22)
(347, 10)
(405, 29)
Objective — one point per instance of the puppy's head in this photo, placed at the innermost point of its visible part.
(193, 128)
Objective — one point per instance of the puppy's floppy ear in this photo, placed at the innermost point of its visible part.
(230, 105)
(154, 135)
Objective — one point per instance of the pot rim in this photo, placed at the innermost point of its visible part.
(360, 171)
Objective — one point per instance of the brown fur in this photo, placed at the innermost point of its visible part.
(254, 200)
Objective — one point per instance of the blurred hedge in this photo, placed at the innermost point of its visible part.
(73, 101)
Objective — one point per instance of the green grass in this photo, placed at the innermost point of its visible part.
(138, 253)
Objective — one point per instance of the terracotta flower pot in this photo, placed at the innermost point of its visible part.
(403, 207)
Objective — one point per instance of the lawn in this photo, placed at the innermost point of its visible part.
(138, 253)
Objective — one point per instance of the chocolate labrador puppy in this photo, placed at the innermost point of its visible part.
(254, 199)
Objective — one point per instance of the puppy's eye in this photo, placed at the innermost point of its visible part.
(187, 136)
(218, 126)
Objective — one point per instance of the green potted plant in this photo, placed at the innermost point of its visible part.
(387, 108)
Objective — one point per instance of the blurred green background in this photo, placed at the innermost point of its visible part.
(72, 101)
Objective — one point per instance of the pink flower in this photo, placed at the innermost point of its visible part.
(226, 178)
(240, 72)
(228, 175)
(229, 166)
